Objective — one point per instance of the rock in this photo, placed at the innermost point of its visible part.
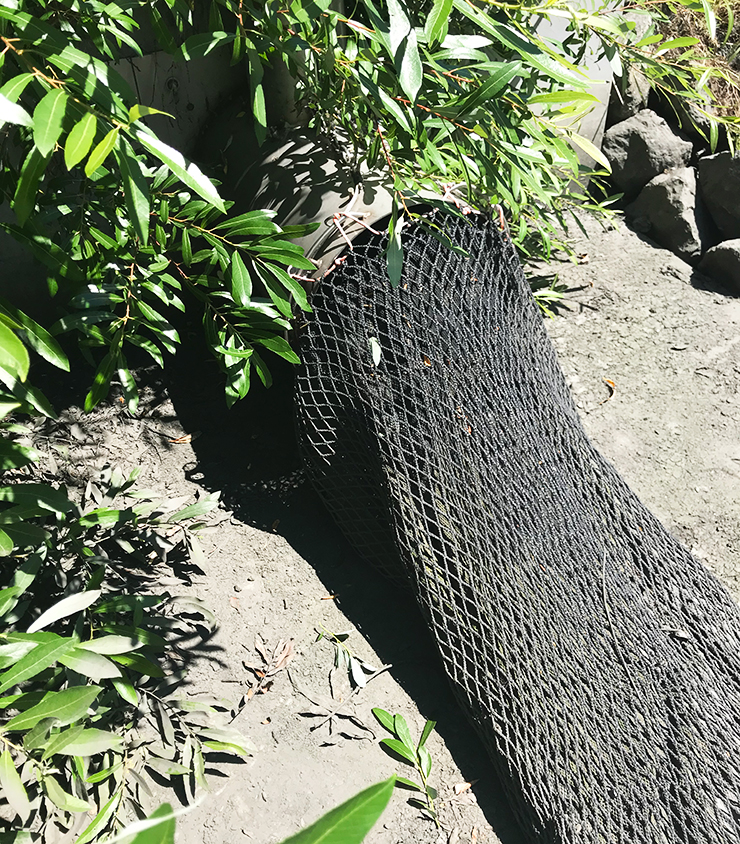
(629, 95)
(719, 179)
(640, 148)
(722, 263)
(669, 210)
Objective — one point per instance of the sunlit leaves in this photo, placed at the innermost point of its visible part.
(47, 120)
(79, 140)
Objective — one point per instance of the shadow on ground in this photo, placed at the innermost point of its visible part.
(250, 454)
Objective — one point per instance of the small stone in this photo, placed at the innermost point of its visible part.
(642, 147)
(722, 263)
(676, 216)
(719, 179)
(237, 588)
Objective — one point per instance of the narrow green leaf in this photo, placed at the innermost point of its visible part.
(401, 729)
(426, 732)
(45, 250)
(6, 546)
(67, 606)
(101, 151)
(591, 150)
(32, 171)
(80, 140)
(47, 120)
(13, 789)
(41, 498)
(241, 281)
(59, 797)
(398, 748)
(89, 664)
(13, 354)
(394, 253)
(65, 707)
(37, 337)
(158, 828)
(126, 690)
(136, 112)
(350, 822)
(414, 786)
(437, 21)
(139, 663)
(101, 382)
(34, 662)
(10, 112)
(185, 170)
(100, 820)
(280, 346)
(259, 111)
(200, 45)
(425, 760)
(135, 190)
(83, 743)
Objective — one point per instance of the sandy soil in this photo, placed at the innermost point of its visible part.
(277, 567)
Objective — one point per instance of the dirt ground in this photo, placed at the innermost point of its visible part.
(277, 567)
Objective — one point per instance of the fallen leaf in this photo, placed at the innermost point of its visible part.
(474, 835)
(460, 787)
(275, 524)
(583, 258)
(426, 360)
(328, 597)
(612, 389)
(185, 438)
(234, 602)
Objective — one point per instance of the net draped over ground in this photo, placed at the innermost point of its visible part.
(598, 659)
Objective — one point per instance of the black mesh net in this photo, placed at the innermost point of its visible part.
(598, 659)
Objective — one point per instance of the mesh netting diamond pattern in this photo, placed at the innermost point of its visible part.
(598, 659)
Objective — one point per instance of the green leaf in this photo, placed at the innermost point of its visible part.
(437, 21)
(135, 191)
(65, 707)
(126, 690)
(591, 150)
(13, 456)
(101, 382)
(12, 787)
(241, 281)
(425, 760)
(404, 50)
(100, 820)
(401, 729)
(139, 663)
(67, 606)
(12, 113)
(47, 120)
(38, 338)
(350, 822)
(259, 111)
(59, 797)
(385, 718)
(563, 97)
(394, 253)
(34, 662)
(280, 346)
(13, 354)
(27, 188)
(80, 140)
(200, 508)
(166, 767)
(197, 46)
(6, 546)
(136, 112)
(40, 498)
(185, 170)
(426, 732)
(45, 250)
(89, 664)
(414, 786)
(158, 828)
(111, 645)
(101, 151)
(74, 742)
(399, 748)
(252, 223)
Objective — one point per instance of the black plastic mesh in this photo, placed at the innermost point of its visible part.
(598, 659)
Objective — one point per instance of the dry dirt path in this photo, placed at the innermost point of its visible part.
(275, 565)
